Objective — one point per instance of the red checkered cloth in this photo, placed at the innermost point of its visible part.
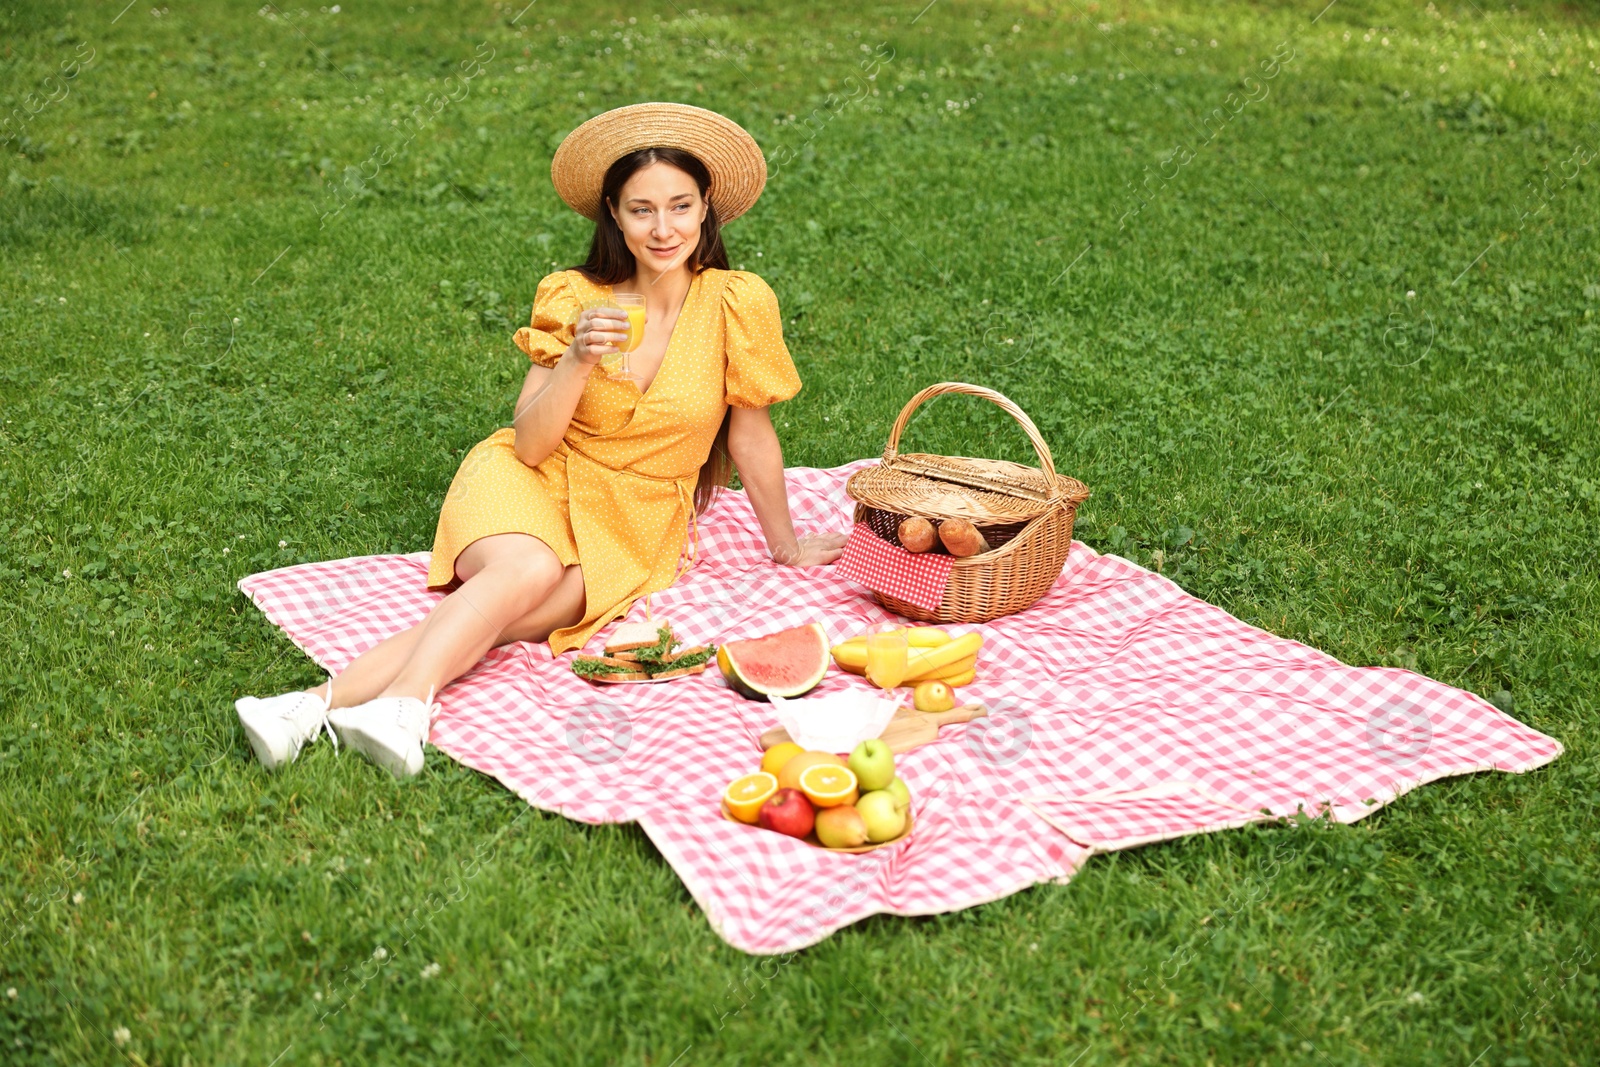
(1122, 711)
(916, 577)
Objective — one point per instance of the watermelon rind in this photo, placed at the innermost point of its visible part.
(747, 680)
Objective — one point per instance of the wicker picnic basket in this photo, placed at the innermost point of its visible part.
(1025, 514)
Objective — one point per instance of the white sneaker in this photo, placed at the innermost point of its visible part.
(390, 731)
(279, 726)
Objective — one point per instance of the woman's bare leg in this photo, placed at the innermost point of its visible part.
(506, 576)
(510, 561)
(369, 673)
(564, 606)
(372, 673)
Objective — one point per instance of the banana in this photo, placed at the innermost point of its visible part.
(916, 637)
(852, 658)
(944, 674)
(925, 661)
(964, 678)
(949, 658)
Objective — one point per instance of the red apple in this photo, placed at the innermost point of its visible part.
(788, 812)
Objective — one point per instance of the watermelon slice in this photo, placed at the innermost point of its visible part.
(786, 664)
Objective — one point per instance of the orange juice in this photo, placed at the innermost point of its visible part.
(635, 327)
(887, 654)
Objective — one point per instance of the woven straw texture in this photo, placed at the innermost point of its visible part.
(738, 169)
(1029, 511)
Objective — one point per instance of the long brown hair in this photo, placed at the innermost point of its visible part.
(610, 261)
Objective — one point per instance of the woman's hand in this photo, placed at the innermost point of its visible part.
(753, 447)
(550, 395)
(598, 333)
(813, 550)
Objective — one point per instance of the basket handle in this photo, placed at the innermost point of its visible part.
(1042, 450)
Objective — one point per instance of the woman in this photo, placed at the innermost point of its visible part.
(556, 524)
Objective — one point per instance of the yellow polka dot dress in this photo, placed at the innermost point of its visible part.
(617, 494)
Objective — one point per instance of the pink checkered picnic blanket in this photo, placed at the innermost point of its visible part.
(1122, 711)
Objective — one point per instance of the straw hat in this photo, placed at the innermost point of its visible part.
(738, 169)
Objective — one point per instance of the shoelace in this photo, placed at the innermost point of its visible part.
(434, 711)
(327, 706)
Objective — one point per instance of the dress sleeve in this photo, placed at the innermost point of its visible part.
(555, 315)
(760, 370)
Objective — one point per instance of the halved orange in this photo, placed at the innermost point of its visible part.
(828, 786)
(744, 796)
(795, 766)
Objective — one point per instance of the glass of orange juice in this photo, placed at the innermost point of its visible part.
(633, 305)
(887, 654)
(615, 363)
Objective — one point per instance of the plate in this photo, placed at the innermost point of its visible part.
(811, 838)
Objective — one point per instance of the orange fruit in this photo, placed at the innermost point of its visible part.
(744, 796)
(789, 777)
(778, 755)
(932, 696)
(828, 786)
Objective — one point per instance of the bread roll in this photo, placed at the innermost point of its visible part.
(962, 538)
(916, 535)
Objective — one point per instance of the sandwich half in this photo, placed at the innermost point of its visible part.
(689, 661)
(643, 652)
(608, 669)
(642, 642)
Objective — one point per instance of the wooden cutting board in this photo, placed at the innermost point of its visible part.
(908, 729)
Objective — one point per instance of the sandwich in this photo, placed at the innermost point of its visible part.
(688, 661)
(641, 642)
(643, 652)
(631, 637)
(608, 669)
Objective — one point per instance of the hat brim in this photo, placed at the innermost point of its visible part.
(738, 168)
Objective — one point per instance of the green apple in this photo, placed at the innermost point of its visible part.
(902, 793)
(884, 816)
(873, 765)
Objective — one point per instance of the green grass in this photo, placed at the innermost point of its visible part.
(199, 362)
